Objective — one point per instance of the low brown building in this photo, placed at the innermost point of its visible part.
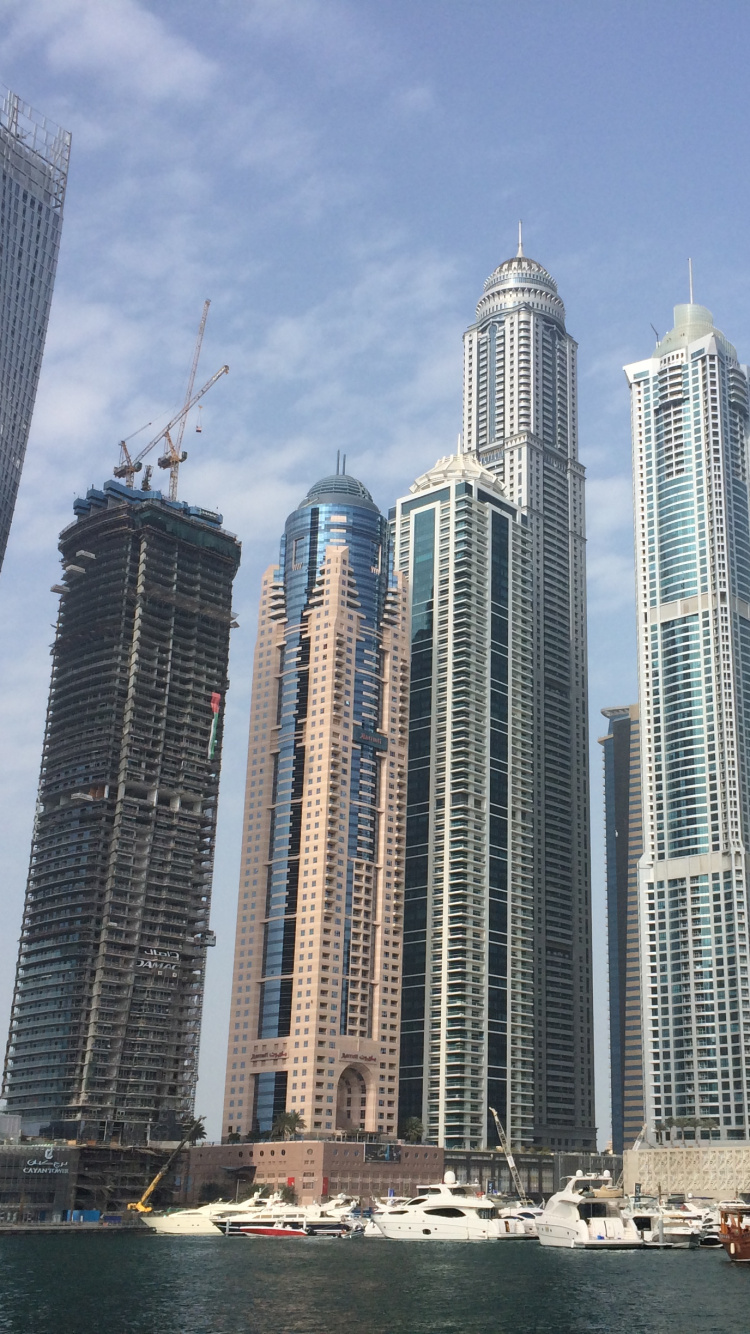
(314, 1169)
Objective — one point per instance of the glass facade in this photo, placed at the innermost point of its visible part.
(520, 418)
(461, 545)
(624, 846)
(34, 157)
(690, 409)
(318, 950)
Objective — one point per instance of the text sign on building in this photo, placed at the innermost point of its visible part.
(365, 738)
(49, 1165)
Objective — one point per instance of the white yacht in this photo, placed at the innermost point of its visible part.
(588, 1212)
(444, 1212)
(199, 1222)
(679, 1226)
(275, 1217)
(519, 1223)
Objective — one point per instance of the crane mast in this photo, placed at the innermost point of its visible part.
(128, 466)
(505, 1146)
(173, 454)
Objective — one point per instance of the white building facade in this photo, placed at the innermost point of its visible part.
(690, 406)
(535, 1064)
(521, 418)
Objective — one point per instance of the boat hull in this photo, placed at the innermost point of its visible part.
(572, 1238)
(199, 1226)
(737, 1248)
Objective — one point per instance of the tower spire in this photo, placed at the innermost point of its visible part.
(519, 252)
(690, 272)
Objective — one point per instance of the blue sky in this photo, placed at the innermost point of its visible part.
(340, 176)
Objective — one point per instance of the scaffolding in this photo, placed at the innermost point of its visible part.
(109, 989)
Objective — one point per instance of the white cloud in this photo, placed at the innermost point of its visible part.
(121, 43)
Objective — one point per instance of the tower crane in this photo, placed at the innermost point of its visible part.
(128, 466)
(173, 454)
(505, 1146)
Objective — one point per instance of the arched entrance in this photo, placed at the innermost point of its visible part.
(351, 1100)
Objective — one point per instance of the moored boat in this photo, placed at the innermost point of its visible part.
(198, 1222)
(588, 1213)
(734, 1231)
(443, 1212)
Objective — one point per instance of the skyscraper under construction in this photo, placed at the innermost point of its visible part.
(34, 156)
(107, 1005)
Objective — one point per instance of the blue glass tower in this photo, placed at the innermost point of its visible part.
(324, 835)
(690, 403)
(34, 156)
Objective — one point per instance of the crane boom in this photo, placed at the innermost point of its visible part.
(505, 1146)
(128, 466)
(193, 370)
(141, 1206)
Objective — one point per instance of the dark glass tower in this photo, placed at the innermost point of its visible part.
(34, 157)
(109, 987)
(468, 972)
(314, 1027)
(624, 847)
(521, 420)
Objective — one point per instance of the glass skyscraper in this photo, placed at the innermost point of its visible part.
(520, 428)
(690, 413)
(34, 156)
(316, 988)
(467, 1027)
(624, 846)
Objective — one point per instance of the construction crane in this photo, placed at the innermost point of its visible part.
(128, 466)
(141, 1206)
(173, 455)
(505, 1146)
(640, 1137)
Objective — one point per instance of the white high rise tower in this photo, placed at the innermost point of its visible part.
(690, 410)
(520, 427)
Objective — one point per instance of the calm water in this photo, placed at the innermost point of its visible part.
(117, 1284)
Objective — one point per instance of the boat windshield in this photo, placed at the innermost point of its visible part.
(598, 1209)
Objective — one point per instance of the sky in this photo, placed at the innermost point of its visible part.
(340, 177)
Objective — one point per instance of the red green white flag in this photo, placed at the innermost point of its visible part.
(215, 706)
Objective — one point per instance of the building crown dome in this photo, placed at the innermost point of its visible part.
(520, 281)
(520, 271)
(338, 488)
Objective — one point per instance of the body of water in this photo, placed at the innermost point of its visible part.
(119, 1284)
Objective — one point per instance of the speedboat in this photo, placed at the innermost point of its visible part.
(274, 1215)
(588, 1212)
(296, 1225)
(443, 1212)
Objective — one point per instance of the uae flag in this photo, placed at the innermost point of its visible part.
(215, 706)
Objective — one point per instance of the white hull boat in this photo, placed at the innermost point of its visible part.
(589, 1214)
(198, 1222)
(445, 1212)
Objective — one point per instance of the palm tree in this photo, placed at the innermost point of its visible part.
(412, 1130)
(195, 1129)
(287, 1125)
